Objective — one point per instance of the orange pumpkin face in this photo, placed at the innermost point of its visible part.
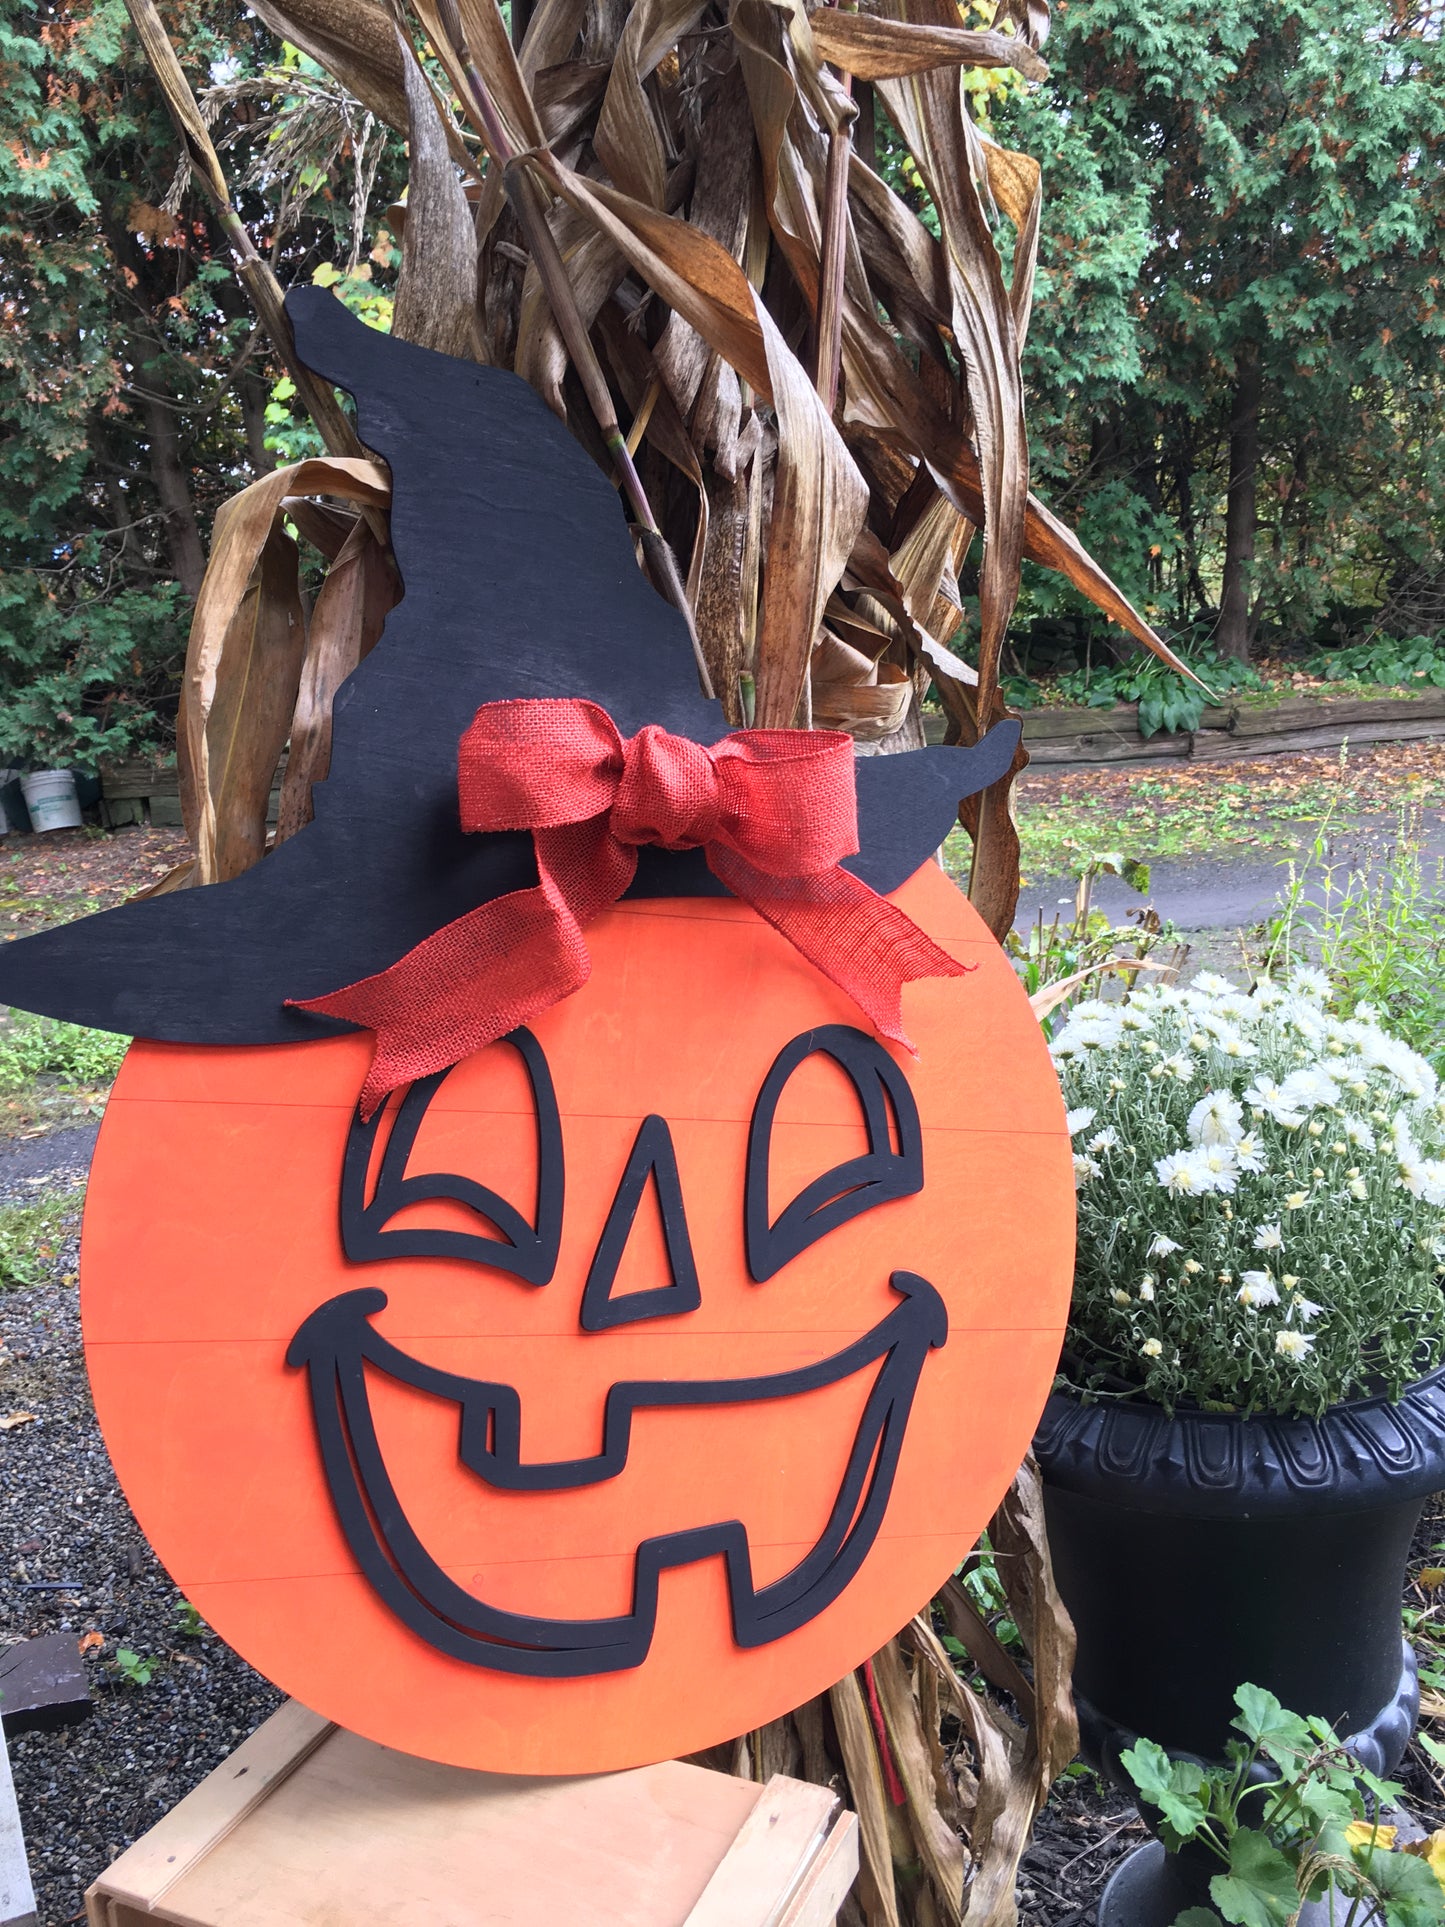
(620, 1389)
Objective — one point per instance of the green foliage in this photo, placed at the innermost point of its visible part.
(132, 389)
(189, 1622)
(85, 677)
(1224, 182)
(31, 1236)
(1167, 701)
(1290, 1818)
(1380, 935)
(133, 1669)
(1397, 663)
(32, 1047)
(1085, 947)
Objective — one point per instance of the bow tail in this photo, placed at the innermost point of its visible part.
(485, 973)
(865, 944)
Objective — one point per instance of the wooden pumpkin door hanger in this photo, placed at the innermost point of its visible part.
(582, 1239)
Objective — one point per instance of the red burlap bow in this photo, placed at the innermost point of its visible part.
(773, 809)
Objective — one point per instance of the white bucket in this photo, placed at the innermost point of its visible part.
(51, 799)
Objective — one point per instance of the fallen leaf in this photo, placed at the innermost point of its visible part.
(12, 1419)
(1430, 1577)
(91, 1643)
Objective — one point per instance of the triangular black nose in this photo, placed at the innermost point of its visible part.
(651, 1153)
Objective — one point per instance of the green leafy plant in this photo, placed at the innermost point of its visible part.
(1380, 936)
(1067, 956)
(133, 1668)
(1261, 1198)
(1411, 662)
(1167, 701)
(31, 1236)
(32, 1047)
(1290, 1818)
(189, 1622)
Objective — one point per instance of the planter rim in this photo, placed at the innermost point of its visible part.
(1363, 1453)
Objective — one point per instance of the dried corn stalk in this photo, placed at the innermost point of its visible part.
(656, 213)
(944, 1777)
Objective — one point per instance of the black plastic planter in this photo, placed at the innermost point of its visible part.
(1198, 1552)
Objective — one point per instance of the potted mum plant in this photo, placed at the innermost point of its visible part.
(1251, 1408)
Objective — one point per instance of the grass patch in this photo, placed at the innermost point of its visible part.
(1204, 810)
(32, 1047)
(53, 1073)
(31, 1236)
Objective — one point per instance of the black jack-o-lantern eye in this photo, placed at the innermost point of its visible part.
(527, 1249)
(884, 1171)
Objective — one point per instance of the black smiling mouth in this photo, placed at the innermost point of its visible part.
(337, 1343)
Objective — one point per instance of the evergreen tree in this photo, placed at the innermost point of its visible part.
(1251, 405)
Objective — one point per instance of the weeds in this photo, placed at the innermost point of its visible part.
(32, 1234)
(32, 1047)
(1379, 935)
(1072, 955)
(132, 1668)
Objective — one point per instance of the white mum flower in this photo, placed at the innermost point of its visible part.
(1305, 981)
(1292, 1344)
(1267, 1096)
(1356, 1131)
(1162, 1247)
(1307, 1089)
(1185, 1173)
(1303, 1308)
(1079, 1120)
(1216, 1119)
(1269, 1238)
(1085, 1171)
(1106, 1140)
(1222, 1165)
(1395, 1057)
(1178, 1065)
(1425, 1179)
(1210, 984)
(1257, 1288)
(1151, 1348)
(1249, 1152)
(1146, 1289)
(1268, 994)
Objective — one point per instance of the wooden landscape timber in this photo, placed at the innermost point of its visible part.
(1069, 739)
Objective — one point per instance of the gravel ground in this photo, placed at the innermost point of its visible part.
(86, 1791)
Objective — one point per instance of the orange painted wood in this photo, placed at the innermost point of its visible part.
(211, 1233)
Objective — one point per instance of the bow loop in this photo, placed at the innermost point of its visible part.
(775, 810)
(537, 765)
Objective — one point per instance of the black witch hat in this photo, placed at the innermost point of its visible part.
(520, 581)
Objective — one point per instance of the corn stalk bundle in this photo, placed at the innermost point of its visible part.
(662, 213)
(657, 213)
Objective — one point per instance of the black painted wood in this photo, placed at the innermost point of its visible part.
(520, 580)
